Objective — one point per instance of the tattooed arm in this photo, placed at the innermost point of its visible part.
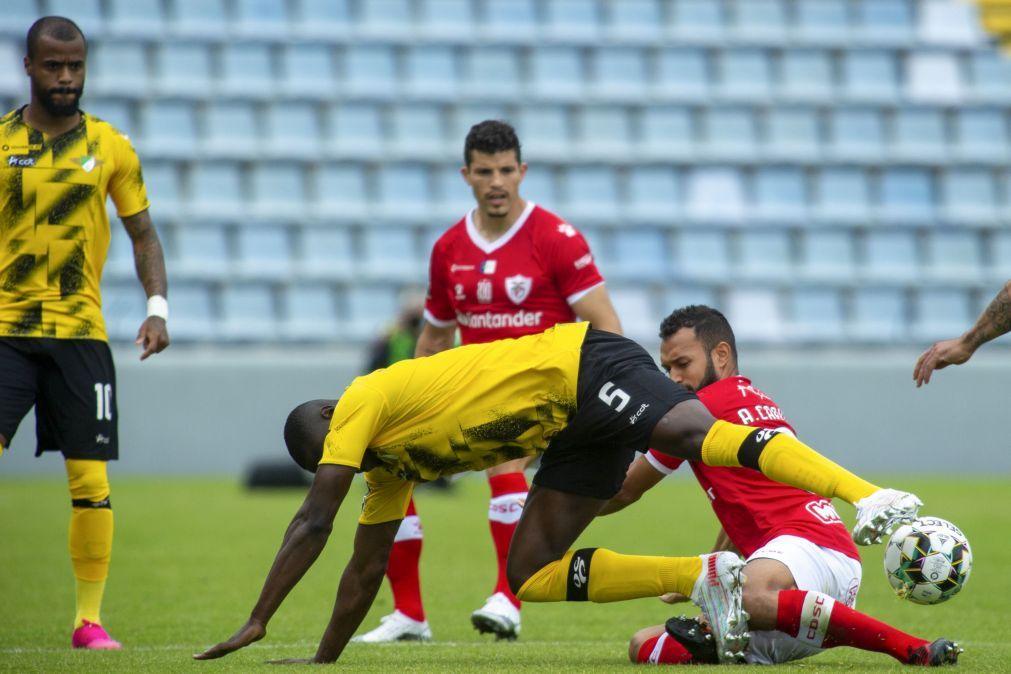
(992, 323)
(150, 262)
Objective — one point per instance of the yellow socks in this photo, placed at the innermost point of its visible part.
(600, 575)
(783, 458)
(90, 538)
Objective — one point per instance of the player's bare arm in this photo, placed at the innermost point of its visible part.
(596, 308)
(303, 542)
(640, 478)
(434, 339)
(992, 323)
(149, 260)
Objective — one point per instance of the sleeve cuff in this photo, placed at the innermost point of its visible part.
(575, 297)
(438, 322)
(655, 462)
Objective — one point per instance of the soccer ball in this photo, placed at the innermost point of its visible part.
(928, 560)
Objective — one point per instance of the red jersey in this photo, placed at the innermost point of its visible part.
(521, 283)
(752, 508)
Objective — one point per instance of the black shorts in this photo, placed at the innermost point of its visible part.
(621, 396)
(71, 383)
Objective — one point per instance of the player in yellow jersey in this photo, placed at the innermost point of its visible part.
(585, 399)
(57, 165)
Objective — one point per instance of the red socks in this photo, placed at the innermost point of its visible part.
(508, 493)
(819, 620)
(402, 570)
(663, 649)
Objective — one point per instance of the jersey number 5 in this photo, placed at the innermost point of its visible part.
(611, 397)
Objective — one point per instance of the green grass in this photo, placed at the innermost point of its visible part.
(190, 556)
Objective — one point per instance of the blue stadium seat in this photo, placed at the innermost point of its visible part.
(715, 195)
(201, 252)
(162, 181)
(635, 307)
(539, 185)
(384, 19)
(260, 18)
(340, 191)
(953, 257)
(431, 73)
(806, 75)
(356, 131)
(981, 135)
(307, 71)
(822, 22)
(591, 194)
(115, 112)
(572, 20)
(843, 196)
(193, 317)
(950, 24)
(404, 193)
(907, 196)
(654, 195)
(702, 255)
(514, 20)
(792, 134)
(293, 131)
(761, 21)
(545, 131)
(119, 263)
(999, 269)
(491, 73)
(780, 195)
(215, 190)
(667, 134)
(247, 313)
(464, 116)
(604, 134)
(682, 295)
(199, 18)
(87, 14)
(884, 22)
(940, 313)
(933, 77)
(369, 310)
(184, 69)
(455, 196)
(743, 75)
(683, 75)
(17, 16)
(556, 73)
(12, 76)
(445, 19)
(697, 21)
(756, 314)
(764, 255)
(816, 315)
(990, 77)
(246, 70)
(619, 73)
(264, 252)
(730, 134)
(969, 197)
(119, 68)
(370, 71)
(417, 132)
(169, 129)
(123, 308)
(857, 134)
(879, 315)
(634, 21)
(322, 19)
(310, 313)
(326, 252)
(278, 191)
(826, 256)
(890, 257)
(870, 76)
(919, 136)
(639, 254)
(230, 130)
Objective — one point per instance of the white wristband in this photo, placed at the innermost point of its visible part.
(157, 306)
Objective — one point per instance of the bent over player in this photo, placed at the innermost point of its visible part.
(58, 166)
(802, 567)
(587, 400)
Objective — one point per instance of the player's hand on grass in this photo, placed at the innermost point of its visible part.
(940, 356)
(251, 632)
(673, 598)
(153, 336)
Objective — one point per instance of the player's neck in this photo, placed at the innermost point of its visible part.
(491, 228)
(38, 118)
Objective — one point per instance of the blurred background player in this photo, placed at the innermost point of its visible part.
(991, 324)
(506, 269)
(800, 556)
(59, 164)
(399, 341)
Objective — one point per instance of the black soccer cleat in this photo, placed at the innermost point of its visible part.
(695, 637)
(937, 654)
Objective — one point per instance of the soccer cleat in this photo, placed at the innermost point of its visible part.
(498, 616)
(396, 627)
(881, 512)
(93, 637)
(937, 654)
(695, 637)
(719, 593)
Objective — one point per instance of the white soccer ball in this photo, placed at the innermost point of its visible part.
(928, 560)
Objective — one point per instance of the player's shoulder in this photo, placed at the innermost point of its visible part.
(731, 393)
(107, 132)
(11, 118)
(545, 224)
(452, 235)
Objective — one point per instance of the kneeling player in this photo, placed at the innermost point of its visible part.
(803, 571)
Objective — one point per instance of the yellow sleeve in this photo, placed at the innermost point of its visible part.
(387, 498)
(127, 184)
(357, 419)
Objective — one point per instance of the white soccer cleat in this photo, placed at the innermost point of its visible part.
(396, 627)
(719, 592)
(881, 512)
(498, 616)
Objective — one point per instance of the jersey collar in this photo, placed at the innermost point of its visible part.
(491, 246)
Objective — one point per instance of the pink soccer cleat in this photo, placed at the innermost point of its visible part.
(93, 636)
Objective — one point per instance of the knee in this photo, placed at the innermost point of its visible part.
(516, 575)
(637, 641)
(762, 604)
(88, 480)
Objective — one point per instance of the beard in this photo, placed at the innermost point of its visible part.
(48, 101)
(710, 377)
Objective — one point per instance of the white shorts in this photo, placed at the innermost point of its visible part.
(813, 568)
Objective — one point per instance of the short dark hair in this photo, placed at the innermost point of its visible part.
(711, 327)
(304, 434)
(491, 136)
(59, 27)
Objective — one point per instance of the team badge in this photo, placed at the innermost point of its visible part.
(88, 163)
(518, 287)
(488, 266)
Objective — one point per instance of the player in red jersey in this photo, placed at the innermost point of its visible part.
(508, 268)
(803, 571)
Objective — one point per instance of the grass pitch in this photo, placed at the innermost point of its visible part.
(190, 556)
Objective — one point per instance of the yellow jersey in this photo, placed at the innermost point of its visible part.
(463, 409)
(54, 229)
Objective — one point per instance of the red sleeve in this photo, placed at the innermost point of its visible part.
(664, 463)
(572, 264)
(439, 309)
